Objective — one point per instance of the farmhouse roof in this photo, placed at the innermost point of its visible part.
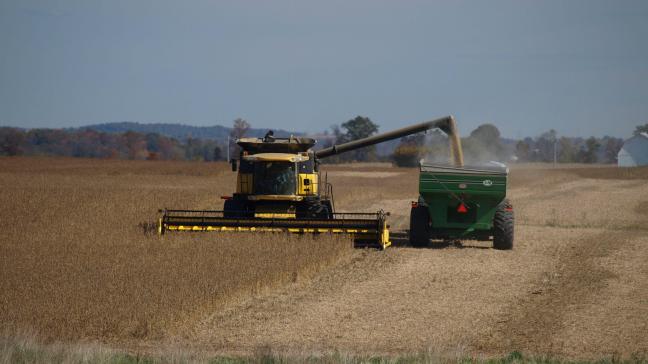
(642, 135)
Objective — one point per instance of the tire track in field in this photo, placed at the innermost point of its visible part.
(535, 324)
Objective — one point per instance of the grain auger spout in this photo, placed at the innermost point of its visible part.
(446, 124)
(279, 189)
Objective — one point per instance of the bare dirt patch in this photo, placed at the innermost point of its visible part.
(642, 208)
(443, 299)
(633, 173)
(367, 174)
(556, 318)
(362, 165)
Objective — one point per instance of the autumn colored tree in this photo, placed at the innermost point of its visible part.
(409, 151)
(11, 140)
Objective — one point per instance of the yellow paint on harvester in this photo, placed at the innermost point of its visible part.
(383, 236)
(274, 215)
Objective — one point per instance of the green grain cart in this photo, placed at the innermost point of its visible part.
(457, 203)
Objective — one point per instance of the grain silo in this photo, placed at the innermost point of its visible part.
(634, 151)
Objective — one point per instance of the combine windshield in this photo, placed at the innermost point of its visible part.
(274, 178)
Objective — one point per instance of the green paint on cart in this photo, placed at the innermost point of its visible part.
(458, 203)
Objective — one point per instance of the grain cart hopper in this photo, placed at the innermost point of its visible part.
(278, 188)
(462, 203)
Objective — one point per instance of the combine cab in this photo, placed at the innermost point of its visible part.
(279, 189)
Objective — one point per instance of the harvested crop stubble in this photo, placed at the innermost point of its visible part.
(361, 190)
(76, 265)
(580, 197)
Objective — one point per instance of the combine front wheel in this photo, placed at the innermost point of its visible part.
(234, 208)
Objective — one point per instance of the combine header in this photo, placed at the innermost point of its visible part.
(279, 189)
(366, 228)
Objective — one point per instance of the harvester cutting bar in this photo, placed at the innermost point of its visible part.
(365, 228)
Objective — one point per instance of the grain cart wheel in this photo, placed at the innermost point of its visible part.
(503, 226)
(419, 233)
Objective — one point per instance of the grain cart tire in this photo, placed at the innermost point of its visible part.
(503, 225)
(419, 233)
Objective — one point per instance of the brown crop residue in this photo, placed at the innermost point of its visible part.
(76, 265)
(629, 173)
(76, 262)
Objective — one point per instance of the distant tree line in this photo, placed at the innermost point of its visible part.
(483, 144)
(95, 144)
(549, 147)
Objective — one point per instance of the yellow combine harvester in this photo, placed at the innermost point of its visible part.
(279, 189)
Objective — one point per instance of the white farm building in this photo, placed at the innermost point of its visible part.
(634, 151)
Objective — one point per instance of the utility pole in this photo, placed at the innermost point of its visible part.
(228, 149)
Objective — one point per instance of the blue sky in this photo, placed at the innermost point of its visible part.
(580, 67)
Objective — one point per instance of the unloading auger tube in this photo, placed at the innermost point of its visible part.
(446, 124)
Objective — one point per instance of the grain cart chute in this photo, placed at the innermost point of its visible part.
(462, 203)
(279, 188)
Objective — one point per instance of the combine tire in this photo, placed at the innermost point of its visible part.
(234, 208)
(419, 233)
(314, 210)
(503, 226)
(329, 209)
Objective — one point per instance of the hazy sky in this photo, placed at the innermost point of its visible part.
(580, 67)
